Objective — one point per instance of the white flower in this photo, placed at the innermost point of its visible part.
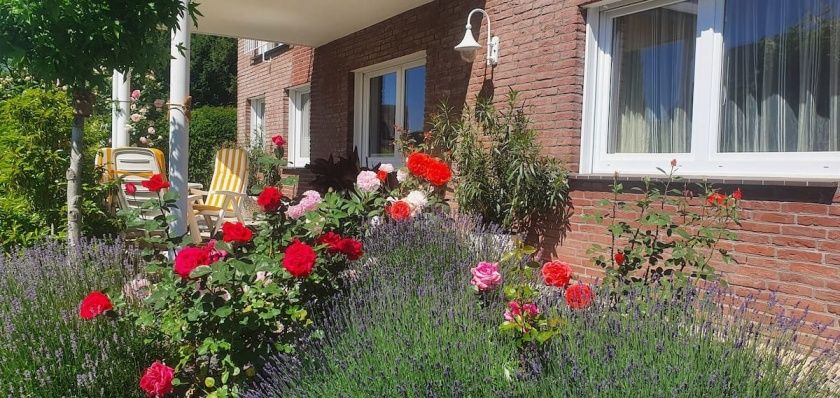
(386, 167)
(151, 130)
(402, 174)
(136, 117)
(417, 200)
(133, 107)
(375, 221)
(367, 181)
(129, 128)
(144, 140)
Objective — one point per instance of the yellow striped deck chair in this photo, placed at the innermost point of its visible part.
(104, 161)
(224, 199)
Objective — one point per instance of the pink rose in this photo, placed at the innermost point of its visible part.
(514, 311)
(135, 95)
(486, 276)
(531, 309)
(159, 103)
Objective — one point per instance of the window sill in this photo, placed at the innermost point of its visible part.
(780, 189)
(749, 181)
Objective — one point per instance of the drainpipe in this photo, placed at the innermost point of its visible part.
(179, 122)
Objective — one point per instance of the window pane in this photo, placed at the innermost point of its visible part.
(382, 117)
(415, 101)
(781, 76)
(653, 80)
(303, 148)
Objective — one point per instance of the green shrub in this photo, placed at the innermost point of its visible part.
(500, 173)
(34, 156)
(211, 127)
(34, 141)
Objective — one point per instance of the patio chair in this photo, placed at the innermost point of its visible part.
(135, 165)
(226, 195)
(104, 161)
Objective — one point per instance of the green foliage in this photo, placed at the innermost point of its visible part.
(34, 139)
(213, 71)
(500, 173)
(75, 41)
(211, 128)
(239, 304)
(671, 236)
(264, 168)
(33, 160)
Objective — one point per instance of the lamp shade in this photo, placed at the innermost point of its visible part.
(468, 47)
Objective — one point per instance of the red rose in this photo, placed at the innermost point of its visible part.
(270, 199)
(556, 273)
(130, 188)
(236, 232)
(578, 296)
(737, 194)
(673, 162)
(350, 248)
(418, 163)
(157, 380)
(278, 140)
(399, 211)
(190, 258)
(299, 259)
(619, 258)
(382, 175)
(438, 173)
(331, 239)
(715, 198)
(94, 305)
(156, 183)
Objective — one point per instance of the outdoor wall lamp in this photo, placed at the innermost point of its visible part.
(469, 46)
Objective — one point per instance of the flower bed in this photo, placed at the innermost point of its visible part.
(412, 326)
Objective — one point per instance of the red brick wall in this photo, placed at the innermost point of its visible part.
(542, 48)
(789, 239)
(269, 79)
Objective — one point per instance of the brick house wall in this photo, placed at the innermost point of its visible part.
(271, 79)
(789, 239)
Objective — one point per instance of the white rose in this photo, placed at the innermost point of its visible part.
(417, 200)
(386, 167)
(402, 175)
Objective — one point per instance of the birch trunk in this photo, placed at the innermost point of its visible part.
(82, 108)
(74, 181)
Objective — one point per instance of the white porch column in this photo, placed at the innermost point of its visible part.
(120, 93)
(179, 124)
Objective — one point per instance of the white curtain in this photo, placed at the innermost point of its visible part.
(781, 76)
(653, 80)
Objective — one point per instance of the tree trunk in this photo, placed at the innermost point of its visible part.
(74, 181)
(82, 108)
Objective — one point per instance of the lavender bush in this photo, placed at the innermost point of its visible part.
(411, 327)
(408, 326)
(46, 349)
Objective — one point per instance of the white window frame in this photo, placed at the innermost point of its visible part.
(362, 104)
(296, 125)
(259, 47)
(704, 158)
(255, 139)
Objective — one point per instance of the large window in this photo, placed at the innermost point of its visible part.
(727, 87)
(390, 100)
(257, 123)
(299, 137)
